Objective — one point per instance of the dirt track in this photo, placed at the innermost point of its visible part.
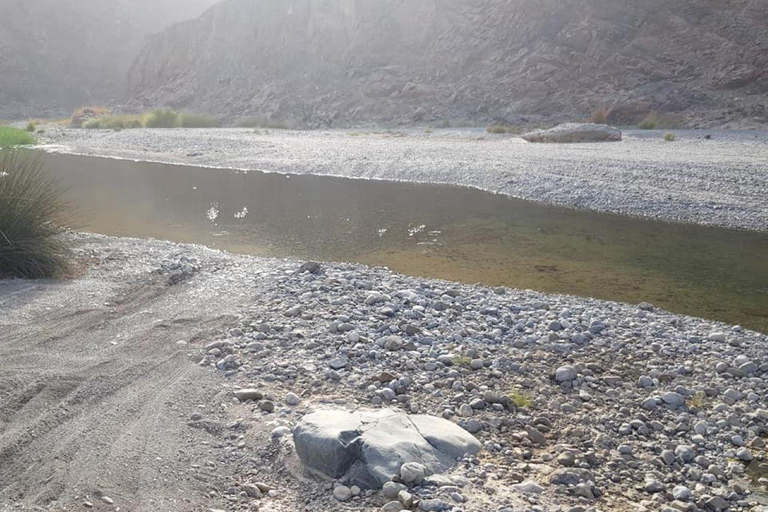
(96, 393)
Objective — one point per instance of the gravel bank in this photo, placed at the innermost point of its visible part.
(719, 181)
(579, 404)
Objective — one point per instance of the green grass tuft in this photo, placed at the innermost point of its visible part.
(462, 361)
(31, 127)
(10, 136)
(521, 399)
(670, 137)
(116, 122)
(31, 216)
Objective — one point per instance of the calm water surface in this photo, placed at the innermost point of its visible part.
(429, 230)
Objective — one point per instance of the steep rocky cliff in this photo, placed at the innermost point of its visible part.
(343, 62)
(56, 56)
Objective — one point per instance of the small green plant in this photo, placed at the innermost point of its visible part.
(670, 137)
(428, 130)
(260, 122)
(162, 118)
(698, 400)
(521, 399)
(31, 216)
(31, 127)
(500, 128)
(10, 136)
(601, 115)
(462, 361)
(192, 120)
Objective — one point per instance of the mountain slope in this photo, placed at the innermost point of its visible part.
(56, 57)
(341, 62)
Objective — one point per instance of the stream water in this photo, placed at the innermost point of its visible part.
(435, 231)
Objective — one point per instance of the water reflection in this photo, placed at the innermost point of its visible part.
(429, 230)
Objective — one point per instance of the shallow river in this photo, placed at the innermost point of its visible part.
(429, 230)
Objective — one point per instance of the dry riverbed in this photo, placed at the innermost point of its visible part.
(706, 177)
(117, 388)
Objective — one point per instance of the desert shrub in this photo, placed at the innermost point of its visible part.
(31, 127)
(162, 118)
(10, 136)
(600, 115)
(84, 114)
(192, 120)
(670, 137)
(117, 122)
(31, 216)
(260, 122)
(500, 128)
(520, 398)
(649, 122)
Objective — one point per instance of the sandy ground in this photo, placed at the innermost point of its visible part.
(720, 180)
(96, 391)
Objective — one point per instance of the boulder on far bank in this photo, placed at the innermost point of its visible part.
(370, 447)
(575, 132)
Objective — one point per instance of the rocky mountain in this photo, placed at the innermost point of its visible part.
(344, 62)
(58, 56)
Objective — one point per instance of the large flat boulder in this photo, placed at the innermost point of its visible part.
(369, 447)
(575, 132)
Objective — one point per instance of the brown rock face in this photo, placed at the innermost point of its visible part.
(343, 62)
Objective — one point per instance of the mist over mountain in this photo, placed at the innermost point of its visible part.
(345, 62)
(56, 56)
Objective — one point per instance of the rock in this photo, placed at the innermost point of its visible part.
(312, 267)
(292, 399)
(536, 436)
(252, 491)
(717, 336)
(369, 447)
(279, 432)
(685, 453)
(682, 493)
(528, 487)
(248, 394)
(342, 493)
(575, 132)
(266, 406)
(433, 505)
(413, 473)
(390, 490)
(744, 454)
(673, 399)
(338, 363)
(565, 374)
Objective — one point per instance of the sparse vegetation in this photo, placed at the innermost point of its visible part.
(670, 137)
(500, 128)
(193, 120)
(84, 114)
(116, 122)
(521, 399)
(698, 400)
(260, 122)
(10, 136)
(31, 215)
(656, 121)
(462, 361)
(31, 127)
(600, 115)
(162, 118)
(428, 130)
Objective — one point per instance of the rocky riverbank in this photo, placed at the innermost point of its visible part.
(703, 177)
(578, 404)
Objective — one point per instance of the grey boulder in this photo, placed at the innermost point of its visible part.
(370, 447)
(575, 132)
